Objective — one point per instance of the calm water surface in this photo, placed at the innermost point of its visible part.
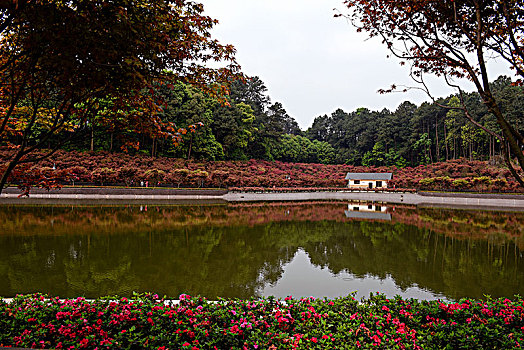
(261, 249)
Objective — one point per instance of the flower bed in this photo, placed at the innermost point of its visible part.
(194, 323)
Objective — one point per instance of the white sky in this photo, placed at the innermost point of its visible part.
(310, 61)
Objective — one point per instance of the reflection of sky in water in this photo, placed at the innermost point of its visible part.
(303, 279)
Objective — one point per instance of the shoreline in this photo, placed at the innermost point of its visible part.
(95, 195)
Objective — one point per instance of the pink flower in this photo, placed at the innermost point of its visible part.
(314, 340)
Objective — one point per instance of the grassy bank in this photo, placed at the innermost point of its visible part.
(194, 323)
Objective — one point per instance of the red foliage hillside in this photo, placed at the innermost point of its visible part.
(104, 168)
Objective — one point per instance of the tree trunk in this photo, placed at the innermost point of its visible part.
(190, 145)
(446, 142)
(153, 151)
(507, 159)
(92, 148)
(437, 151)
(510, 136)
(12, 164)
(454, 147)
(490, 149)
(430, 151)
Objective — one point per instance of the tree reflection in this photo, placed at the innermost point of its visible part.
(235, 250)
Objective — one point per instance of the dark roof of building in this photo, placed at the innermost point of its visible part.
(369, 176)
(367, 215)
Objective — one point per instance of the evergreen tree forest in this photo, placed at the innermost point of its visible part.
(414, 135)
(250, 126)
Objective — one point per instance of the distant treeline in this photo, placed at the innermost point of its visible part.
(414, 135)
(250, 126)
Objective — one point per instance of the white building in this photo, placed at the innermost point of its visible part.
(368, 180)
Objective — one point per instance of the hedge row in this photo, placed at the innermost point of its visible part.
(144, 322)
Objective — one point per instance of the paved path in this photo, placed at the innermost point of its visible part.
(405, 198)
(123, 195)
(119, 194)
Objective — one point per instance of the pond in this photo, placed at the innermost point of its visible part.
(242, 250)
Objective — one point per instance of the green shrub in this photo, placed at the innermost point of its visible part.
(481, 180)
(460, 183)
(426, 181)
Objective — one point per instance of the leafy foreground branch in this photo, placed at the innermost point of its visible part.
(145, 322)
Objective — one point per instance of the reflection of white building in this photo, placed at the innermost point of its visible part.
(368, 180)
(370, 211)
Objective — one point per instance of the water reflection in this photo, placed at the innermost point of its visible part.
(244, 250)
(368, 211)
(302, 279)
